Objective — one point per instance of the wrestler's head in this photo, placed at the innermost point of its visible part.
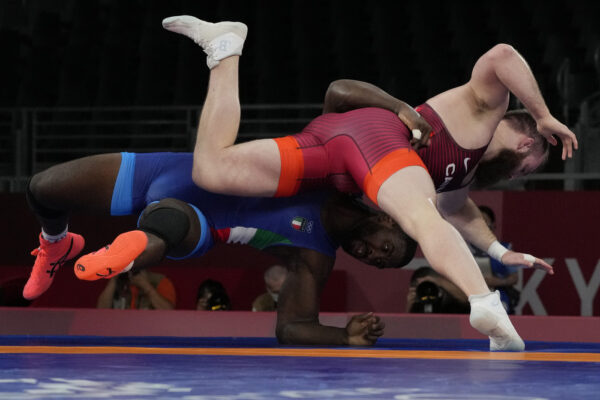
(517, 148)
(378, 240)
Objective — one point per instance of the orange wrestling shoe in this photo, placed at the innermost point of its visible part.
(113, 259)
(50, 256)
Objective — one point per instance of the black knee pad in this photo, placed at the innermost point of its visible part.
(169, 224)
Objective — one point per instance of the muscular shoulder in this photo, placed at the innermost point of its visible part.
(467, 116)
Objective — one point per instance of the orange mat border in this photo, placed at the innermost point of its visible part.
(312, 352)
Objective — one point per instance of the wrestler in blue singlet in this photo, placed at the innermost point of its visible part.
(258, 222)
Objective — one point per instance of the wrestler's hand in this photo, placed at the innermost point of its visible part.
(549, 127)
(520, 260)
(415, 122)
(364, 329)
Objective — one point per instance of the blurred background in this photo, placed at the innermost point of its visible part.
(81, 77)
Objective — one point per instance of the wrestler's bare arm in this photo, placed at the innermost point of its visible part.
(503, 69)
(458, 209)
(298, 306)
(346, 94)
(462, 212)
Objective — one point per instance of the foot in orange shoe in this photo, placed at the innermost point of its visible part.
(50, 256)
(113, 259)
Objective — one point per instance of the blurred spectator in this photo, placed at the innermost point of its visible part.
(212, 296)
(430, 292)
(274, 277)
(497, 275)
(143, 290)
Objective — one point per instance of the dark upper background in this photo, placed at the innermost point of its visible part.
(114, 52)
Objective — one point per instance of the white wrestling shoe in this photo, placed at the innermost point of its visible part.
(489, 317)
(219, 40)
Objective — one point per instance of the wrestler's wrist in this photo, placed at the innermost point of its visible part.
(497, 250)
(403, 110)
(541, 115)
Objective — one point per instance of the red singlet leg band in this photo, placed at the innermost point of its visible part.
(292, 166)
(388, 165)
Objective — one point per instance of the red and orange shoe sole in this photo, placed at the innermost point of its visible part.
(113, 259)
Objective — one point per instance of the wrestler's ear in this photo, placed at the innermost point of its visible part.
(525, 144)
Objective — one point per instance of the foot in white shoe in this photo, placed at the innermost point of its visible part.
(219, 40)
(489, 317)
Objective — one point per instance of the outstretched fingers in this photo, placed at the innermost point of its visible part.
(526, 260)
(543, 265)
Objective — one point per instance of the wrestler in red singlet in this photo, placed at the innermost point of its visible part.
(358, 150)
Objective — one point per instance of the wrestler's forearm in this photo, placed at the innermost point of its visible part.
(471, 225)
(345, 95)
(311, 333)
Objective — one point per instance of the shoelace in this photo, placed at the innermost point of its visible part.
(61, 261)
(58, 263)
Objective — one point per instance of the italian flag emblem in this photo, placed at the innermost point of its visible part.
(257, 238)
(298, 223)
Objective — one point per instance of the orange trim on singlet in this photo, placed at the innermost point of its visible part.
(384, 168)
(292, 166)
(309, 352)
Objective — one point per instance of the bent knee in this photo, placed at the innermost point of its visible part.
(169, 219)
(41, 186)
(204, 178)
(198, 177)
(214, 177)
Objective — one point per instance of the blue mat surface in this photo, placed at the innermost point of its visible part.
(203, 377)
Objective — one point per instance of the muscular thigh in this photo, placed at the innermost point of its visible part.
(252, 168)
(408, 196)
(84, 184)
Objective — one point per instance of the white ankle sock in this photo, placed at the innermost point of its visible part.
(55, 238)
(489, 317)
(478, 297)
